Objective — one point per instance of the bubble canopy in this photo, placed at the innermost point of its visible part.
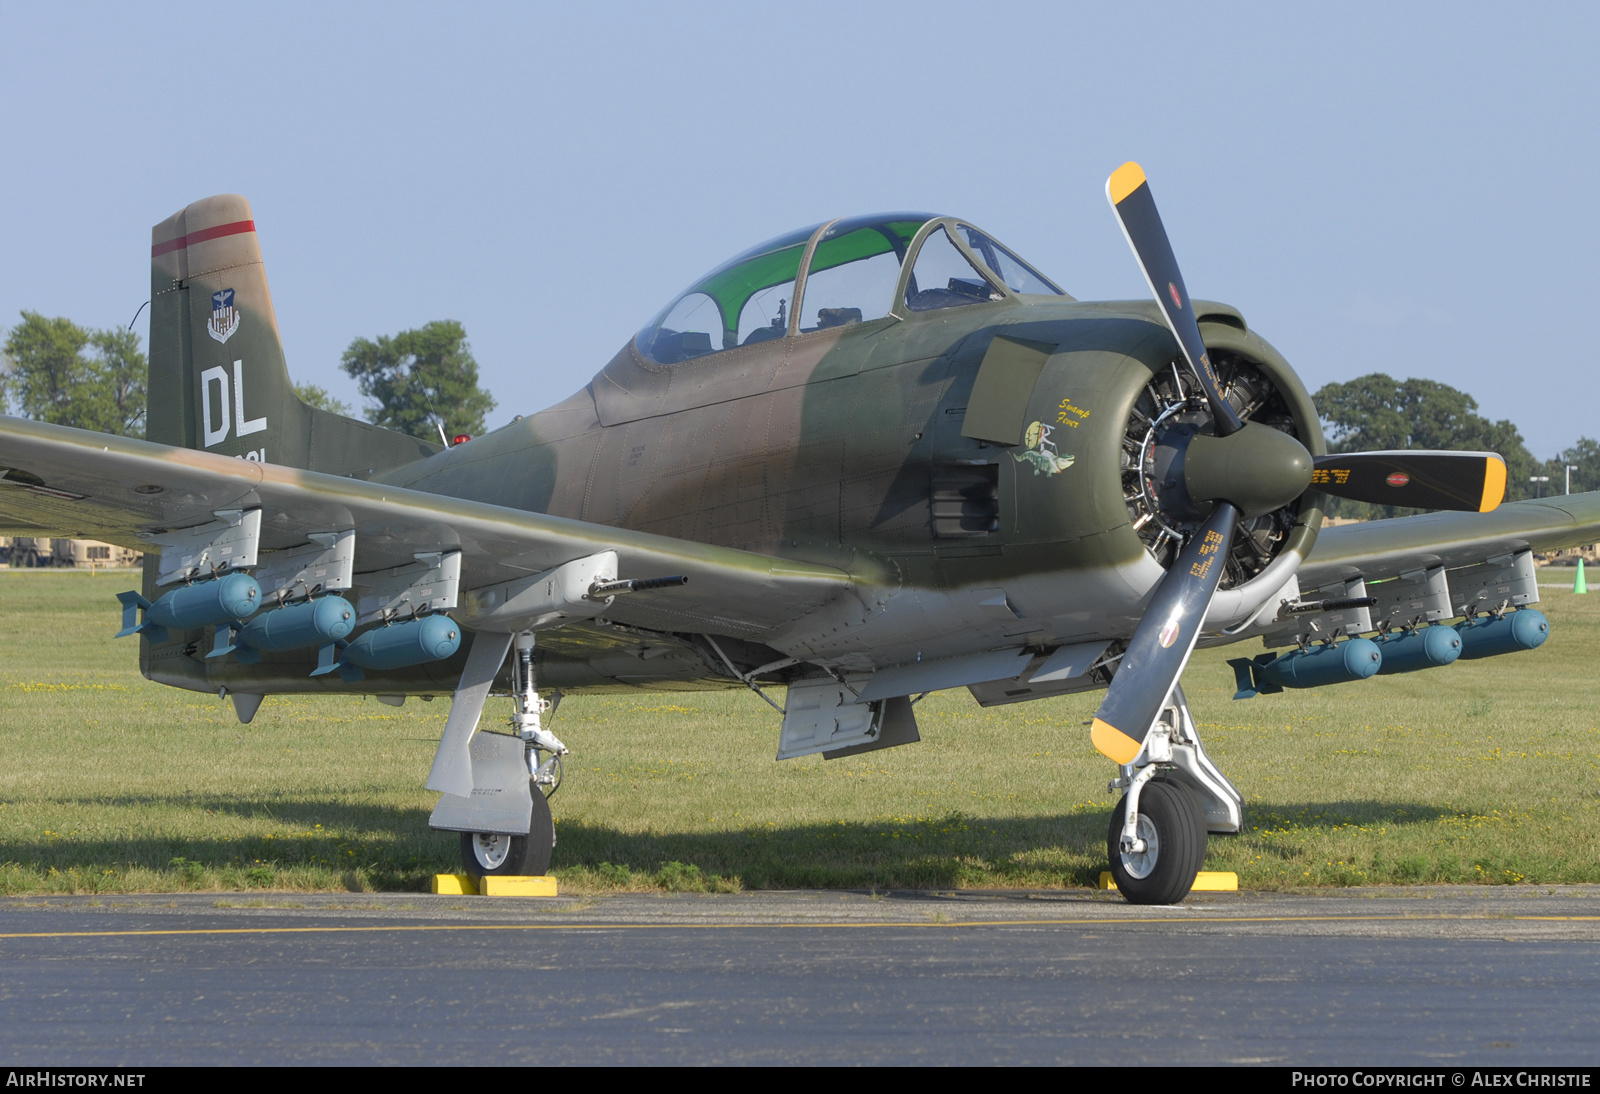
(836, 274)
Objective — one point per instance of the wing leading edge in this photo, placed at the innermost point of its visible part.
(1382, 549)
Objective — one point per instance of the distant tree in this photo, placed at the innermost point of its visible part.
(422, 380)
(312, 395)
(121, 372)
(47, 365)
(1584, 458)
(52, 378)
(1379, 412)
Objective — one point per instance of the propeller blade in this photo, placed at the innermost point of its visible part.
(1130, 198)
(1473, 482)
(1164, 639)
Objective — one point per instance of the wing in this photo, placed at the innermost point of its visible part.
(70, 482)
(1382, 549)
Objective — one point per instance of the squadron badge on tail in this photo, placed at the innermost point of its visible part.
(224, 316)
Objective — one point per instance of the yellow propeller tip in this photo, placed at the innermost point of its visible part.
(1494, 484)
(1124, 181)
(1113, 742)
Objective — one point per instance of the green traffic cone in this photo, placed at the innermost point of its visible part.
(1578, 584)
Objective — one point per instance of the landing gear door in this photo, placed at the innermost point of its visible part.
(501, 800)
(824, 716)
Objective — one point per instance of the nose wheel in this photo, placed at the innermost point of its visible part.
(495, 854)
(1159, 866)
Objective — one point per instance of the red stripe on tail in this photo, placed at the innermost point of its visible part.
(202, 235)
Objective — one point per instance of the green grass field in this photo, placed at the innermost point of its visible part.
(1479, 772)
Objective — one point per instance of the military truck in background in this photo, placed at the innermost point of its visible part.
(37, 552)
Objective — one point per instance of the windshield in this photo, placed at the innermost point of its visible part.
(1017, 274)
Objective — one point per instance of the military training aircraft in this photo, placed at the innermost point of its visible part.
(866, 460)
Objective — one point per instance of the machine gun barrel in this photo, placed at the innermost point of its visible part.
(601, 589)
(1335, 604)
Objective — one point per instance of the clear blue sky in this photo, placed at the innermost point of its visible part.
(1406, 189)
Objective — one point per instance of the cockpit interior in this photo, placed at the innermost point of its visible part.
(848, 271)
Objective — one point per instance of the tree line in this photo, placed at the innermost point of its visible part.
(1377, 412)
(422, 382)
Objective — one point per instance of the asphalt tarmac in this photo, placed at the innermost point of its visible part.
(1440, 977)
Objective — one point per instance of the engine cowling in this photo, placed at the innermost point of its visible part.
(1173, 467)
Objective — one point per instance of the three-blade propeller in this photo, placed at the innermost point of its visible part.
(1254, 472)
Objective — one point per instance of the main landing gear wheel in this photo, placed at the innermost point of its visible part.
(490, 854)
(1174, 831)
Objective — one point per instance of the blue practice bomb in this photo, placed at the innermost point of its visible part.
(1427, 648)
(1332, 663)
(417, 642)
(1522, 630)
(319, 622)
(1356, 659)
(313, 623)
(221, 600)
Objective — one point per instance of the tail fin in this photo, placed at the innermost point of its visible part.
(218, 380)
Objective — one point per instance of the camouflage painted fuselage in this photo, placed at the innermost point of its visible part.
(845, 447)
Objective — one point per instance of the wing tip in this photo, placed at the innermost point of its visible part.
(1124, 181)
(1112, 742)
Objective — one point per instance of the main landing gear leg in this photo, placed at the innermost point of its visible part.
(1174, 797)
(493, 787)
(487, 854)
(528, 717)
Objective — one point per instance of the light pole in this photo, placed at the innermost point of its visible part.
(1541, 479)
(1570, 470)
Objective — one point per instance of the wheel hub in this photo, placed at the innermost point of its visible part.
(491, 849)
(1140, 864)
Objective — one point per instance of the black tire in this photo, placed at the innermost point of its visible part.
(1169, 812)
(488, 855)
